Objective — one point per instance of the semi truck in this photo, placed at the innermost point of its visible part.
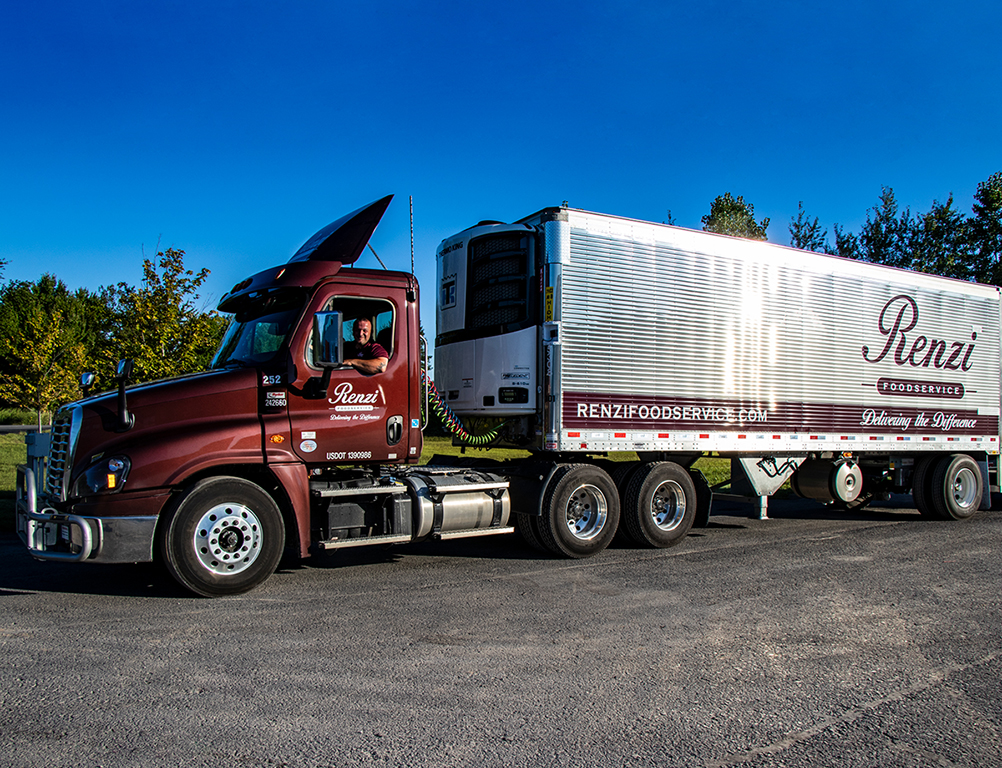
(614, 352)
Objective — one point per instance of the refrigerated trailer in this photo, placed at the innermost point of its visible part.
(589, 333)
(580, 337)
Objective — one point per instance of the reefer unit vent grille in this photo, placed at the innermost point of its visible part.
(498, 295)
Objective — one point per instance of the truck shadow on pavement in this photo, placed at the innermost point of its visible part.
(23, 574)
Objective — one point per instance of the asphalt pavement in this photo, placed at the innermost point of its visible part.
(813, 638)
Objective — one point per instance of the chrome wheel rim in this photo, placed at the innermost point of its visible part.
(228, 539)
(965, 489)
(667, 508)
(586, 513)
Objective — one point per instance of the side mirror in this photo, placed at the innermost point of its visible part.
(86, 382)
(123, 372)
(327, 339)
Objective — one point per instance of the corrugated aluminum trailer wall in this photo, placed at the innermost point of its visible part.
(673, 339)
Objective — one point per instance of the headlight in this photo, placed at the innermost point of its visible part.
(103, 476)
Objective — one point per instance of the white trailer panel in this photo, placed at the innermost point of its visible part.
(669, 339)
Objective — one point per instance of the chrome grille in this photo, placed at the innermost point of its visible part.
(60, 461)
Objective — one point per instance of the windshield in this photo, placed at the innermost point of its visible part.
(259, 331)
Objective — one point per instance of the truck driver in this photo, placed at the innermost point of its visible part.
(364, 354)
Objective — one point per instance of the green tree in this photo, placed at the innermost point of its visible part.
(807, 234)
(846, 244)
(940, 242)
(733, 216)
(886, 235)
(42, 349)
(986, 231)
(159, 325)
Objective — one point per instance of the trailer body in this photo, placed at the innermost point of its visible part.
(648, 337)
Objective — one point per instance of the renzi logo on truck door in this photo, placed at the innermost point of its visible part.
(349, 405)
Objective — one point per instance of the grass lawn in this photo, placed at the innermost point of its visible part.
(12, 453)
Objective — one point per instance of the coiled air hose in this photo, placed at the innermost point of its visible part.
(451, 420)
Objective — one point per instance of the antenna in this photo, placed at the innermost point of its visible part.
(412, 233)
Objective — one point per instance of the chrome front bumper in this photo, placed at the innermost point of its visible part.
(52, 535)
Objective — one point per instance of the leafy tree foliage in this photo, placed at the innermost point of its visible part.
(807, 234)
(846, 244)
(885, 237)
(940, 242)
(731, 215)
(986, 230)
(42, 344)
(158, 324)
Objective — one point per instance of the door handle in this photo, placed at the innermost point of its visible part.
(394, 429)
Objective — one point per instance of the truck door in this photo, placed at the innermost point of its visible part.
(358, 418)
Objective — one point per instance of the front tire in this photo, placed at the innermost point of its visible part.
(580, 511)
(224, 536)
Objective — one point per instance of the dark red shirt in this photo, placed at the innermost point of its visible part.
(369, 351)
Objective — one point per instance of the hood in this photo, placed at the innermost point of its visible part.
(345, 239)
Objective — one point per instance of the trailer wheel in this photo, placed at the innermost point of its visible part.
(528, 529)
(922, 486)
(956, 487)
(704, 499)
(621, 475)
(660, 505)
(580, 511)
(224, 536)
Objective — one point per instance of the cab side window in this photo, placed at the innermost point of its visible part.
(379, 314)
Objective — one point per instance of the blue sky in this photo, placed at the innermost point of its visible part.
(235, 130)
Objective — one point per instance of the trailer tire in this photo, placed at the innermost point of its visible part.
(528, 529)
(621, 475)
(580, 511)
(223, 536)
(956, 487)
(704, 499)
(922, 486)
(660, 505)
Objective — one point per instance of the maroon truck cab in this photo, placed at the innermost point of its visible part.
(243, 442)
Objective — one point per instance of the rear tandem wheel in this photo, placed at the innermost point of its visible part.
(580, 511)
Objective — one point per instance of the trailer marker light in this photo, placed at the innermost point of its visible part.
(742, 437)
(620, 434)
(663, 435)
(777, 437)
(704, 437)
(574, 434)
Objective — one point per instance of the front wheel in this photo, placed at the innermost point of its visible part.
(224, 536)
(580, 511)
